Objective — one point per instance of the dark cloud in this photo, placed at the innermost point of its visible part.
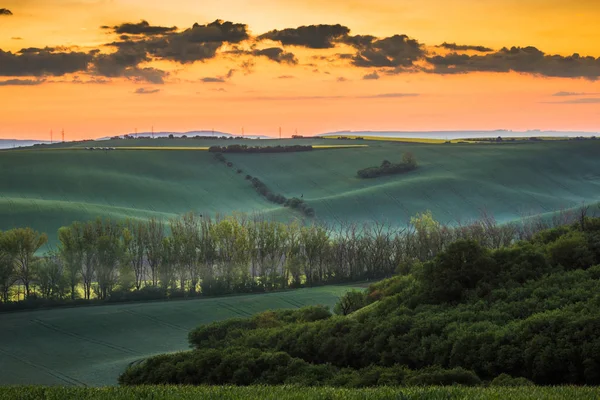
(567, 94)
(16, 38)
(359, 41)
(213, 79)
(277, 54)
(527, 60)
(42, 62)
(22, 82)
(464, 47)
(128, 55)
(5, 11)
(198, 43)
(146, 91)
(286, 77)
(142, 28)
(371, 76)
(342, 79)
(394, 51)
(312, 36)
(125, 63)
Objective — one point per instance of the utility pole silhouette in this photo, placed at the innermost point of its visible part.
(242, 131)
(50, 136)
(63, 135)
(279, 132)
(152, 131)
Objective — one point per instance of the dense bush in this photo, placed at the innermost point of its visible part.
(242, 367)
(527, 313)
(409, 163)
(294, 203)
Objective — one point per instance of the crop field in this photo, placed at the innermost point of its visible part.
(49, 189)
(93, 345)
(301, 393)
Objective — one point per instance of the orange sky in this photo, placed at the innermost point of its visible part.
(316, 95)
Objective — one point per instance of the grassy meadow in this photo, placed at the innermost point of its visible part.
(49, 189)
(301, 393)
(91, 346)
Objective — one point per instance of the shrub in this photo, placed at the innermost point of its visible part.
(440, 377)
(571, 251)
(409, 163)
(350, 302)
(507, 380)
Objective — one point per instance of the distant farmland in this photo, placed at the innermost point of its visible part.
(48, 189)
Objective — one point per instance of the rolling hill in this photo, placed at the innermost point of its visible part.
(50, 186)
(91, 346)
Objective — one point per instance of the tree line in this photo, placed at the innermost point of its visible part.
(523, 313)
(192, 255)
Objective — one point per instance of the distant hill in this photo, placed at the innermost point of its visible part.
(10, 143)
(49, 189)
(449, 135)
(188, 134)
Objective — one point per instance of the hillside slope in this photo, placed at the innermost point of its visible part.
(46, 189)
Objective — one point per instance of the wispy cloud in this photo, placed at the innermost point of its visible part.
(389, 95)
(568, 94)
(146, 91)
(212, 79)
(587, 100)
(372, 76)
(22, 82)
(328, 97)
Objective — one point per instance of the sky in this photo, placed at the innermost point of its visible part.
(107, 67)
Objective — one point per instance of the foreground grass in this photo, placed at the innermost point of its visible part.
(295, 392)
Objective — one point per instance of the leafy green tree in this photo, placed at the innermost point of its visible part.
(155, 233)
(409, 160)
(571, 251)
(350, 302)
(134, 242)
(7, 271)
(89, 248)
(110, 253)
(51, 277)
(457, 270)
(22, 244)
(71, 251)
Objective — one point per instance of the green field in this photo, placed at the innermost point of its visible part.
(302, 393)
(93, 345)
(48, 189)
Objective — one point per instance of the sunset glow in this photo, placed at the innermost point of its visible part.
(92, 68)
